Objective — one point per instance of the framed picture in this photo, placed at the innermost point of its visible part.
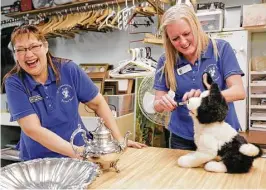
(99, 83)
(97, 72)
(110, 88)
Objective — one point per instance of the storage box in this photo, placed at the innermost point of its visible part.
(211, 21)
(26, 5)
(232, 17)
(254, 15)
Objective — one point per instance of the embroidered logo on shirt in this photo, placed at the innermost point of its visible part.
(213, 70)
(65, 91)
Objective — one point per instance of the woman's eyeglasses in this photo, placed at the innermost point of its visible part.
(33, 49)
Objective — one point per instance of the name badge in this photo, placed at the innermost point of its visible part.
(184, 69)
(35, 98)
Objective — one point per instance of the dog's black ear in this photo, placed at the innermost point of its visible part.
(214, 107)
(215, 92)
(215, 89)
(207, 80)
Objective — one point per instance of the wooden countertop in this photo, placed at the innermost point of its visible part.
(156, 168)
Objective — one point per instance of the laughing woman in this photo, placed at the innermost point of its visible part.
(43, 94)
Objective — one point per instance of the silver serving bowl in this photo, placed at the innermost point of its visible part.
(49, 173)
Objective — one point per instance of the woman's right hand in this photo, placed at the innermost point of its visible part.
(78, 153)
(164, 103)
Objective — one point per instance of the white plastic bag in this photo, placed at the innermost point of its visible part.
(38, 4)
(60, 2)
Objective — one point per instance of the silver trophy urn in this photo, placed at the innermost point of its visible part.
(103, 149)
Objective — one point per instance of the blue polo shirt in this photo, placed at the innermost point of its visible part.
(181, 123)
(57, 108)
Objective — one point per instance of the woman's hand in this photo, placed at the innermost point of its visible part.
(79, 152)
(165, 103)
(134, 144)
(190, 94)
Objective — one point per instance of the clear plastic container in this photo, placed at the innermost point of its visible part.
(211, 21)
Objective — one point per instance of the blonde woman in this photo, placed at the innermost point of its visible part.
(43, 94)
(189, 52)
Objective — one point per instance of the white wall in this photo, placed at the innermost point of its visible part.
(94, 47)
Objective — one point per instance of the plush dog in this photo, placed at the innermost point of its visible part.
(214, 137)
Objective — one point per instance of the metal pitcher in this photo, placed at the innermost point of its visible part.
(103, 148)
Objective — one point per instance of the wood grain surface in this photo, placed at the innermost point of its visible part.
(156, 168)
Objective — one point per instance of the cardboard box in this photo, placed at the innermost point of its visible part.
(232, 17)
(258, 63)
(85, 111)
(126, 123)
(254, 15)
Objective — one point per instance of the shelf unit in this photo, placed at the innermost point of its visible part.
(240, 42)
(73, 5)
(257, 82)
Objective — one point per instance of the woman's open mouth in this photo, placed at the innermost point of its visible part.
(185, 47)
(32, 63)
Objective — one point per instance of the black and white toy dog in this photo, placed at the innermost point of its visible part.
(214, 137)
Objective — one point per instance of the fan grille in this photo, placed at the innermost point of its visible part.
(145, 86)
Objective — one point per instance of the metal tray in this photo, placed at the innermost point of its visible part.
(10, 154)
(49, 173)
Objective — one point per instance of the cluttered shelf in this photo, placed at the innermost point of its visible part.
(79, 4)
(59, 7)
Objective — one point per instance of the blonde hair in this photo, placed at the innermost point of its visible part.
(181, 11)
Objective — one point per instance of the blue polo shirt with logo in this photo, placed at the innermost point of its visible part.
(55, 105)
(227, 65)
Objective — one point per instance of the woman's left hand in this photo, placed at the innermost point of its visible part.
(190, 94)
(134, 144)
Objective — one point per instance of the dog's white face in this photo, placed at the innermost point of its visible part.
(195, 102)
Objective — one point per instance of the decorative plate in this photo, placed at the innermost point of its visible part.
(49, 173)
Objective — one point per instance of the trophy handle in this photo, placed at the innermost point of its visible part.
(85, 139)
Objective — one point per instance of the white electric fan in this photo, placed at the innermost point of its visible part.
(146, 96)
